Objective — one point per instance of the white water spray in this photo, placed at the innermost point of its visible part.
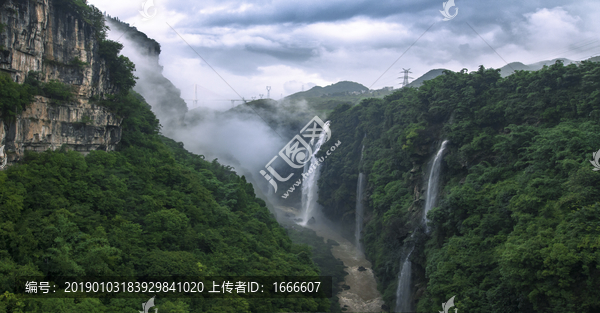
(359, 213)
(403, 292)
(310, 190)
(360, 190)
(433, 182)
(403, 303)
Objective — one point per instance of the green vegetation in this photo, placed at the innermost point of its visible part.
(150, 208)
(76, 62)
(13, 97)
(517, 225)
(120, 68)
(57, 91)
(322, 257)
(85, 120)
(87, 13)
(323, 100)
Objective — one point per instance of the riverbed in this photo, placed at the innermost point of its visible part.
(363, 295)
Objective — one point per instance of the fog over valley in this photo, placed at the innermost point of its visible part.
(299, 156)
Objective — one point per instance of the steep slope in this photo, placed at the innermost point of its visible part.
(516, 225)
(161, 94)
(149, 208)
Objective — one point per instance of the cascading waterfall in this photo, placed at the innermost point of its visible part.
(433, 182)
(359, 213)
(359, 210)
(403, 303)
(403, 293)
(310, 176)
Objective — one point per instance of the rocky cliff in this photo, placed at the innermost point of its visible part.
(45, 37)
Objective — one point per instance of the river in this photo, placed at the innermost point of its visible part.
(363, 295)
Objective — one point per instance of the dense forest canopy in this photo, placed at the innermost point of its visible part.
(517, 228)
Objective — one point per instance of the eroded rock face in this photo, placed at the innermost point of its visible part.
(82, 127)
(40, 37)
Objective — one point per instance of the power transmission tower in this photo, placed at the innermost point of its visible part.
(268, 91)
(260, 95)
(406, 77)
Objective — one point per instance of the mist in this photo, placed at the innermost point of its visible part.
(245, 137)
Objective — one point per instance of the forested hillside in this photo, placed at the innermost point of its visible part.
(517, 225)
(149, 209)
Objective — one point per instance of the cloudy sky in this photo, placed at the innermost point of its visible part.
(290, 44)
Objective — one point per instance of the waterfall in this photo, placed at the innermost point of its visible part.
(360, 190)
(310, 176)
(433, 182)
(403, 293)
(403, 303)
(359, 213)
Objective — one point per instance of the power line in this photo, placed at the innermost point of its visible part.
(490, 47)
(198, 54)
(570, 48)
(402, 55)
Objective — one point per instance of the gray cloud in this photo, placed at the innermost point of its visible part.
(257, 43)
(245, 13)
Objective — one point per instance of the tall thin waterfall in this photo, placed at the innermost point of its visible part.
(360, 191)
(360, 209)
(433, 183)
(403, 303)
(310, 176)
(403, 293)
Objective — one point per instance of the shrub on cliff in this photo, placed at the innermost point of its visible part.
(54, 89)
(120, 68)
(14, 97)
(88, 13)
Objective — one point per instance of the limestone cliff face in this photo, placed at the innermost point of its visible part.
(39, 36)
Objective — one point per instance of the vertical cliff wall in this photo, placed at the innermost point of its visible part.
(45, 37)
